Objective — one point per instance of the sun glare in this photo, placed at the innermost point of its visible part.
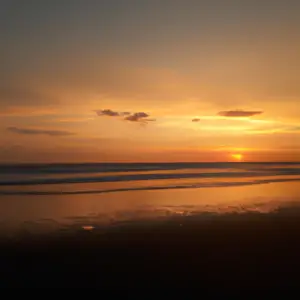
(237, 156)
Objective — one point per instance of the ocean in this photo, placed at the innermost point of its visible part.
(39, 197)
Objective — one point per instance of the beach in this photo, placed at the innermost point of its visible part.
(150, 145)
(234, 232)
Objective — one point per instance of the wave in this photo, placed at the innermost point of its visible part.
(130, 167)
(141, 177)
(149, 188)
(148, 176)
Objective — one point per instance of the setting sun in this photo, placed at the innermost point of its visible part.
(237, 156)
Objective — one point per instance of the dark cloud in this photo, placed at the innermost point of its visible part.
(107, 112)
(239, 113)
(39, 131)
(196, 120)
(139, 117)
(111, 113)
(132, 117)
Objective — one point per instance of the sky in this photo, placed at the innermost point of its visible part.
(149, 80)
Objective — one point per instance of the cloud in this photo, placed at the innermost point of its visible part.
(39, 131)
(139, 117)
(239, 113)
(132, 117)
(111, 113)
(196, 120)
(107, 112)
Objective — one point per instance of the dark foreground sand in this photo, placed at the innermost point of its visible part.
(231, 251)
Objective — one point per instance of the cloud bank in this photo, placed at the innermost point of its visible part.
(239, 113)
(29, 131)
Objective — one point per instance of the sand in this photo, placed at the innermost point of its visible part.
(232, 251)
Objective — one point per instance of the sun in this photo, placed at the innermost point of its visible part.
(237, 156)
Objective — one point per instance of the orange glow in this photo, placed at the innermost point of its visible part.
(237, 156)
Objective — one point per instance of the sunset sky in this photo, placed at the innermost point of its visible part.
(149, 80)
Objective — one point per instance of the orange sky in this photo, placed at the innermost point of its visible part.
(200, 80)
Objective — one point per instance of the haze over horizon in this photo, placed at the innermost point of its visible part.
(149, 81)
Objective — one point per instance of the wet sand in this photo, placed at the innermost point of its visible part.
(230, 251)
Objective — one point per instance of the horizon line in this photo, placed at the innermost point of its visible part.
(145, 162)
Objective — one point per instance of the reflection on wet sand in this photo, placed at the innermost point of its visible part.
(243, 236)
(63, 212)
